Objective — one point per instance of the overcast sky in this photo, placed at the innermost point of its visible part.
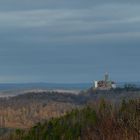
(69, 40)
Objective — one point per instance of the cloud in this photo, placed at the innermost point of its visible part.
(64, 25)
(57, 4)
(61, 38)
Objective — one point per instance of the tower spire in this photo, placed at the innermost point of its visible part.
(106, 76)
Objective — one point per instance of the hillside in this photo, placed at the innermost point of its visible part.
(23, 111)
(97, 121)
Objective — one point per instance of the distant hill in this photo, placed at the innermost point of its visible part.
(81, 86)
(11, 86)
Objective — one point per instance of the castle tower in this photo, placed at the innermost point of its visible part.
(106, 77)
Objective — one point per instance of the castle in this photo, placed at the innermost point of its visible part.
(105, 84)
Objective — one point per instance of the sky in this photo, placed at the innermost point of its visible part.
(69, 41)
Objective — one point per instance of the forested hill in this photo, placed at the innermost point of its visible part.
(25, 110)
(95, 122)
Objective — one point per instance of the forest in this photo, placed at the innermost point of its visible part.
(96, 121)
(90, 115)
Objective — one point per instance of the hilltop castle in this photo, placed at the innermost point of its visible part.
(105, 84)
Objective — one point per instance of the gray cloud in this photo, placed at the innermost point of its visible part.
(57, 4)
(105, 22)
